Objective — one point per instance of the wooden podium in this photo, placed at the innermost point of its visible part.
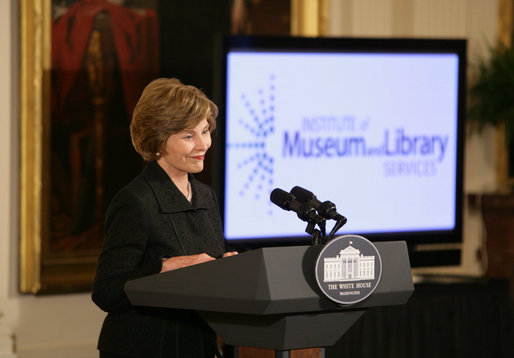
(268, 298)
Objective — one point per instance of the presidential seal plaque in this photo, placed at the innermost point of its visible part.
(348, 269)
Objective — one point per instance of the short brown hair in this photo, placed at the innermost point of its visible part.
(167, 107)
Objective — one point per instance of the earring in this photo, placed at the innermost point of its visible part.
(157, 154)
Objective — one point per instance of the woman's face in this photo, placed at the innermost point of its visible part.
(185, 151)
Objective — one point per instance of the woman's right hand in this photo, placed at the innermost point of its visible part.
(177, 262)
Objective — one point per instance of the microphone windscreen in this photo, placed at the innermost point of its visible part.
(301, 194)
(281, 198)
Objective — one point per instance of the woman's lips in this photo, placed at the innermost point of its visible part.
(199, 157)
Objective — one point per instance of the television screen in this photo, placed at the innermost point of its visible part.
(372, 125)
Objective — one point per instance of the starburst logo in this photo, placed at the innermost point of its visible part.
(258, 124)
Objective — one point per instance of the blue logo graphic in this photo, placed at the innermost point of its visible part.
(258, 124)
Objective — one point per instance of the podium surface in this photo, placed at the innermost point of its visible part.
(269, 297)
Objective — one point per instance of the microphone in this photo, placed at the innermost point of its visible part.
(326, 209)
(287, 201)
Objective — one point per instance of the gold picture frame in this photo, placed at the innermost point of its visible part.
(34, 72)
(505, 179)
(309, 17)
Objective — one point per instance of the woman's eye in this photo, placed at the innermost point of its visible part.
(188, 136)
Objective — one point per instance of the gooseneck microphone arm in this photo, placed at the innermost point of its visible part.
(305, 212)
(339, 224)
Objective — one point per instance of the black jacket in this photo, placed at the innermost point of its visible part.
(147, 220)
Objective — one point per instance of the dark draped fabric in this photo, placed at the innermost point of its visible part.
(457, 320)
(189, 30)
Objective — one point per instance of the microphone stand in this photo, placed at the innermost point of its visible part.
(318, 237)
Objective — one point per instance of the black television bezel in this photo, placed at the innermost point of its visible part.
(426, 248)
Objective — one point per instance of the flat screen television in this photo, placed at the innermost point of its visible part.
(373, 125)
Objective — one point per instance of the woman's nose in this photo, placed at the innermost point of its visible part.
(203, 142)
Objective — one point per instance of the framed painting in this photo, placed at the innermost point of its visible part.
(83, 67)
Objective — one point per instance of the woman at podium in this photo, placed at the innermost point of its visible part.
(163, 220)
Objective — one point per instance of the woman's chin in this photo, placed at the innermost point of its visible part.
(196, 169)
